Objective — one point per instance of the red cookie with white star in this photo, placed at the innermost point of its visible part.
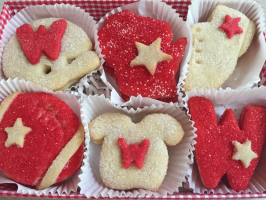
(139, 51)
(227, 148)
(41, 139)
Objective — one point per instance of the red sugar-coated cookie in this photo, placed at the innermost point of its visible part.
(53, 125)
(214, 147)
(109, 70)
(48, 42)
(117, 39)
(231, 26)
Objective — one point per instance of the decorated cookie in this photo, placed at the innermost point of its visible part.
(134, 155)
(140, 55)
(52, 53)
(227, 148)
(217, 45)
(41, 139)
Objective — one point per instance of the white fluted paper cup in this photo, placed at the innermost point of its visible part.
(156, 10)
(236, 100)
(249, 66)
(91, 183)
(11, 86)
(69, 12)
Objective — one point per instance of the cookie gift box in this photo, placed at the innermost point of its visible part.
(97, 9)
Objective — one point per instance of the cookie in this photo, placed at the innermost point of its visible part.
(143, 63)
(217, 45)
(227, 148)
(41, 139)
(51, 53)
(134, 155)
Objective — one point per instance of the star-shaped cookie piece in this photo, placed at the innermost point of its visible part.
(16, 134)
(244, 153)
(150, 56)
(231, 26)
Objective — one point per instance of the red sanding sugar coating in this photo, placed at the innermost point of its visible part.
(214, 148)
(231, 26)
(117, 39)
(133, 152)
(111, 72)
(53, 124)
(48, 42)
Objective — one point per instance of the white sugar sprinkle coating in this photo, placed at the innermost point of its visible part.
(158, 128)
(75, 59)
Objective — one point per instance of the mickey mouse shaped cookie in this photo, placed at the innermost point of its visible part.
(134, 155)
(52, 53)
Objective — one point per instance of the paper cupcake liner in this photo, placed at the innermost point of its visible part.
(11, 86)
(248, 67)
(90, 181)
(157, 10)
(236, 100)
(69, 12)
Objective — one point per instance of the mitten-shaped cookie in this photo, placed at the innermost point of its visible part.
(134, 155)
(141, 55)
(227, 148)
(41, 139)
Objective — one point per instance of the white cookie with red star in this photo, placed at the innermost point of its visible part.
(217, 45)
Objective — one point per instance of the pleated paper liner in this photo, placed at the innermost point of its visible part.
(236, 100)
(90, 181)
(11, 86)
(249, 66)
(157, 10)
(69, 12)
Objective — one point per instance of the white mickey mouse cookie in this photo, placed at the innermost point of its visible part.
(52, 53)
(217, 45)
(134, 155)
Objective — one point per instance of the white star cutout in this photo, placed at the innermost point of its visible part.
(16, 134)
(150, 55)
(244, 153)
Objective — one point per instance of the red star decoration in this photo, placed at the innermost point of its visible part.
(231, 26)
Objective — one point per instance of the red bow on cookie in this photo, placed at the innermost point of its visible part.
(227, 148)
(48, 42)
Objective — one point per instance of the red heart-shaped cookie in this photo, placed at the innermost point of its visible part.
(48, 133)
(216, 144)
(118, 37)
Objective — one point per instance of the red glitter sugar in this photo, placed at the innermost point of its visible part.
(133, 152)
(53, 123)
(214, 148)
(48, 42)
(117, 39)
